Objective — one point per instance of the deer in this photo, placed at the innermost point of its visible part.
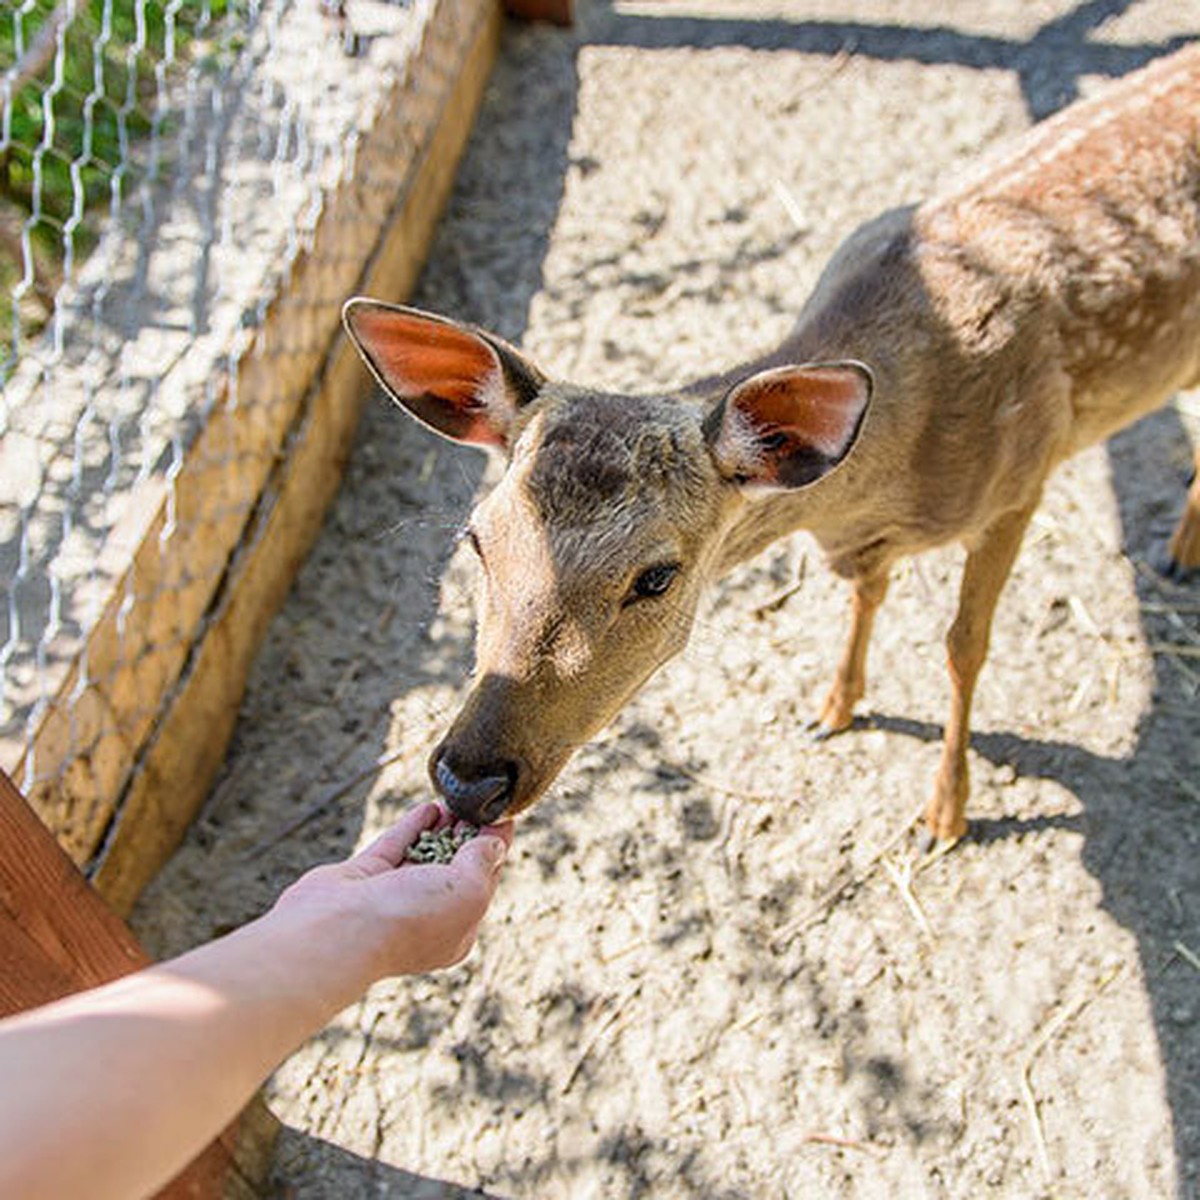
(951, 355)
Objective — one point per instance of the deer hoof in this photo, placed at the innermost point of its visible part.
(817, 731)
(931, 847)
(1170, 568)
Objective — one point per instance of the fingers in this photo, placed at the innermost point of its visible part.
(483, 854)
(502, 832)
(478, 861)
(487, 850)
(388, 849)
(480, 857)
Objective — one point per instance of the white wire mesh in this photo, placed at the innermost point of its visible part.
(183, 207)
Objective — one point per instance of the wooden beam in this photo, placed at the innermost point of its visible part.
(57, 937)
(166, 567)
(187, 748)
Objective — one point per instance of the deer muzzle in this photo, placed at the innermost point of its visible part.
(480, 797)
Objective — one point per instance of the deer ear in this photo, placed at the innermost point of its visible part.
(462, 383)
(789, 426)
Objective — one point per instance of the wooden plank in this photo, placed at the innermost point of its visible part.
(163, 565)
(82, 761)
(57, 937)
(178, 766)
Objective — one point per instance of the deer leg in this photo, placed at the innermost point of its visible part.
(987, 567)
(1183, 550)
(850, 681)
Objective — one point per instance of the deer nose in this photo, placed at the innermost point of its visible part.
(480, 800)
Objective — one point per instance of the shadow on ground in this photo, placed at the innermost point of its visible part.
(1049, 64)
(1141, 840)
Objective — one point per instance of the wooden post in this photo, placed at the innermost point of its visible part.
(57, 936)
(161, 779)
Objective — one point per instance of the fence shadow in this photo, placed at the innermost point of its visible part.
(1049, 64)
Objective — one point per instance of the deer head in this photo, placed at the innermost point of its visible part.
(597, 543)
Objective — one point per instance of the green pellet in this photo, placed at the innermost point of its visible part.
(440, 847)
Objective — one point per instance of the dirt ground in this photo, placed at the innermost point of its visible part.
(709, 971)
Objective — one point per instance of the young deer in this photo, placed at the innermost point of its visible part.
(950, 357)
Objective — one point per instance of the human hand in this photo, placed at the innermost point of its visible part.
(392, 917)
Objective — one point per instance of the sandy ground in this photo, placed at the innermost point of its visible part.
(707, 973)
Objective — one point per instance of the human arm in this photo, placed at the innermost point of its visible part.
(112, 1091)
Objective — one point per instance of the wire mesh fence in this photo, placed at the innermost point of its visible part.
(189, 189)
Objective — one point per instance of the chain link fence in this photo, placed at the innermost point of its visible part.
(189, 189)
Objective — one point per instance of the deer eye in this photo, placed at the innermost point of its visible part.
(654, 581)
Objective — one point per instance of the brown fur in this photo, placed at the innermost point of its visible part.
(1050, 299)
